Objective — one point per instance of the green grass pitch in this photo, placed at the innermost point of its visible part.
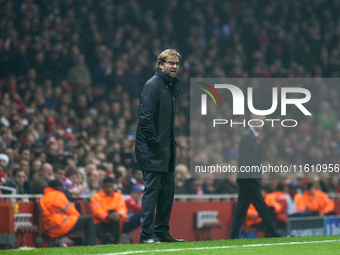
(277, 246)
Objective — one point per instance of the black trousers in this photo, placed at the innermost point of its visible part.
(250, 192)
(159, 190)
(85, 221)
(112, 227)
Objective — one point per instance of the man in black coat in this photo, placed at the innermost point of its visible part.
(155, 151)
(250, 182)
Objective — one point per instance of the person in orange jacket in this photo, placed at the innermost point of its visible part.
(109, 211)
(60, 217)
(317, 201)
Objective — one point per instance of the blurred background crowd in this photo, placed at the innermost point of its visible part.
(71, 73)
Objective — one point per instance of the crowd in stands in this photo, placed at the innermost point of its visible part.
(71, 74)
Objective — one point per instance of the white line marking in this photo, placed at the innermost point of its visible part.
(221, 247)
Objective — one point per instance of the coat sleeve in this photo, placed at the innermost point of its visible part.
(148, 104)
(327, 204)
(65, 206)
(121, 206)
(97, 209)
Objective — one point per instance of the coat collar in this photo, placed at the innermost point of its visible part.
(167, 80)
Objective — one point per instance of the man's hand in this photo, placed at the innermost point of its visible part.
(114, 216)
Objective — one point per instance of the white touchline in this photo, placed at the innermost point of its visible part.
(221, 247)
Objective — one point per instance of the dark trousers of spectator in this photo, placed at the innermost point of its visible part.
(102, 229)
(250, 192)
(159, 190)
(132, 224)
(85, 221)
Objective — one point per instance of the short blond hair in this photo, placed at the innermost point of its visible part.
(165, 54)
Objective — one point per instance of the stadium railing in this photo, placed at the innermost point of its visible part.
(179, 198)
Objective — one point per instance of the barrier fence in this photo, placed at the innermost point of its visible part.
(185, 222)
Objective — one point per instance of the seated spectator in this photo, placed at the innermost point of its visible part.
(71, 183)
(109, 211)
(134, 207)
(317, 202)
(126, 187)
(40, 180)
(3, 161)
(137, 177)
(17, 182)
(181, 175)
(3, 167)
(227, 186)
(102, 173)
(93, 182)
(294, 204)
(60, 217)
(36, 166)
(209, 185)
(59, 174)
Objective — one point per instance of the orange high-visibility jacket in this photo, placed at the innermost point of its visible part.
(318, 202)
(59, 214)
(300, 203)
(101, 204)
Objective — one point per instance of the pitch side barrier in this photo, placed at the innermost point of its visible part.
(210, 197)
(178, 197)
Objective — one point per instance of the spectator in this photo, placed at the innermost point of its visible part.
(109, 211)
(60, 217)
(134, 207)
(72, 184)
(126, 187)
(181, 174)
(40, 179)
(59, 174)
(79, 76)
(17, 182)
(93, 183)
(317, 202)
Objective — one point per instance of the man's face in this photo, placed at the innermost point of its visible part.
(102, 175)
(20, 178)
(122, 170)
(138, 176)
(25, 166)
(170, 66)
(3, 163)
(137, 196)
(292, 191)
(9, 152)
(312, 190)
(60, 174)
(26, 154)
(108, 188)
(94, 177)
(48, 173)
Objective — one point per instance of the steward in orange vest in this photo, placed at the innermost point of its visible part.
(60, 217)
(317, 201)
(109, 211)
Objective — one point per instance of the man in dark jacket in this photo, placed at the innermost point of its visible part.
(18, 182)
(250, 182)
(155, 151)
